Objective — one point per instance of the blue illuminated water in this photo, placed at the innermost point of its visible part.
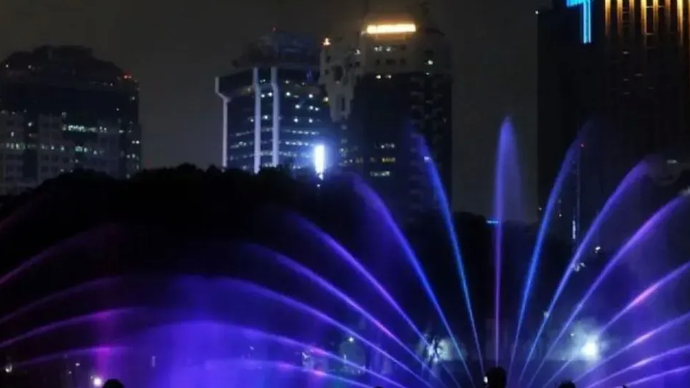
(324, 314)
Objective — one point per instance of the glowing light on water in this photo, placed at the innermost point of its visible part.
(641, 297)
(591, 349)
(639, 340)
(575, 264)
(648, 226)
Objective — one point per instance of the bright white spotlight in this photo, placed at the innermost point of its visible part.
(590, 350)
(97, 382)
(320, 159)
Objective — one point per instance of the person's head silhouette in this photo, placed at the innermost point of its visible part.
(567, 384)
(113, 383)
(496, 378)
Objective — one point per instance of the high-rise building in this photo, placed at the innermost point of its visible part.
(620, 69)
(274, 111)
(390, 90)
(62, 109)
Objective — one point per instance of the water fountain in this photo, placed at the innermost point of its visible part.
(301, 307)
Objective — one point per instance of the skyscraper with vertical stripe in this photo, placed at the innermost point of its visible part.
(621, 70)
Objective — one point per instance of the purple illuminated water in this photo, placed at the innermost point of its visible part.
(507, 206)
(613, 315)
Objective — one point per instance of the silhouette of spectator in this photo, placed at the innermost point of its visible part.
(567, 384)
(496, 378)
(113, 383)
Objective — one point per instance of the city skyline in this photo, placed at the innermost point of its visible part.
(63, 109)
(176, 59)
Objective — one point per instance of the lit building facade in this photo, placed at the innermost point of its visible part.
(620, 69)
(274, 110)
(390, 91)
(62, 109)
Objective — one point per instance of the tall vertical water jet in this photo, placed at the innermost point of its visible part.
(444, 205)
(541, 235)
(641, 233)
(631, 180)
(506, 180)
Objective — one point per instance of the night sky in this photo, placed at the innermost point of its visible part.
(175, 48)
